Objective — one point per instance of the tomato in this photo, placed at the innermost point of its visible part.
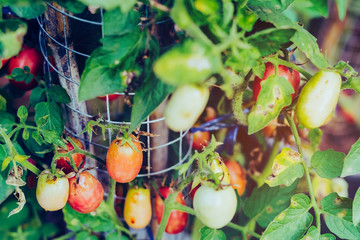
(61, 163)
(291, 75)
(185, 106)
(87, 195)
(112, 97)
(237, 176)
(215, 208)
(318, 99)
(200, 140)
(178, 219)
(52, 193)
(27, 57)
(210, 114)
(218, 166)
(137, 209)
(122, 161)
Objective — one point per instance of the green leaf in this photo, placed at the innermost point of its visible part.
(286, 168)
(338, 216)
(302, 38)
(25, 134)
(356, 208)
(107, 68)
(72, 6)
(266, 202)
(6, 190)
(12, 32)
(314, 234)
(53, 111)
(22, 113)
(191, 62)
(37, 137)
(2, 103)
(101, 222)
(37, 95)
(275, 94)
(29, 10)
(42, 121)
(58, 94)
(263, 7)
(211, 234)
(21, 75)
(20, 158)
(320, 6)
(271, 40)
(291, 223)
(352, 161)
(328, 163)
(245, 19)
(341, 6)
(315, 137)
(85, 235)
(7, 121)
(147, 97)
(5, 163)
(118, 23)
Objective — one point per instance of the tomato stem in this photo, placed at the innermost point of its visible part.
(306, 169)
(112, 188)
(290, 65)
(243, 229)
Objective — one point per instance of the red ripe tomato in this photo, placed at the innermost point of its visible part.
(237, 176)
(291, 75)
(27, 57)
(122, 161)
(112, 97)
(178, 219)
(200, 140)
(137, 209)
(86, 196)
(61, 163)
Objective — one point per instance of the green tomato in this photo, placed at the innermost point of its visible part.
(52, 193)
(185, 106)
(215, 208)
(318, 99)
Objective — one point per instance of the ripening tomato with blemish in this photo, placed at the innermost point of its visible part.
(86, 195)
(289, 74)
(178, 219)
(51, 192)
(137, 209)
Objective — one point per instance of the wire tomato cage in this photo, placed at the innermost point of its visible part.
(69, 50)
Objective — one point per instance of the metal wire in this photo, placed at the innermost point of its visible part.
(44, 36)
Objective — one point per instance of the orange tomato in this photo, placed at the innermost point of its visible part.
(122, 161)
(137, 209)
(237, 176)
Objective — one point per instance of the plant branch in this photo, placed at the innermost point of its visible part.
(243, 229)
(290, 65)
(306, 169)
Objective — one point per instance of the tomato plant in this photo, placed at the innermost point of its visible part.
(137, 209)
(318, 99)
(124, 159)
(215, 208)
(86, 195)
(63, 163)
(31, 58)
(185, 106)
(51, 192)
(178, 219)
(291, 75)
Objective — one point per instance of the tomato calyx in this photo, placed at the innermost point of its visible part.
(127, 139)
